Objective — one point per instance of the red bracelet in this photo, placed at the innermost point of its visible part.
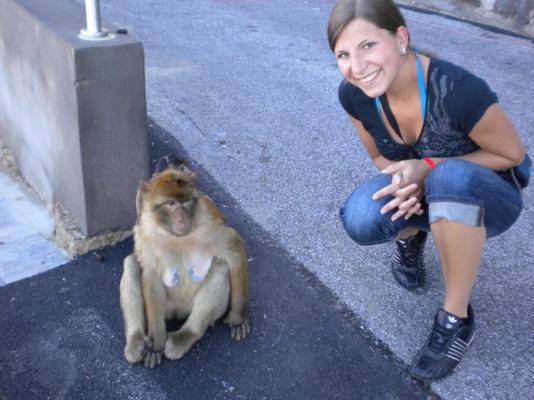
(428, 161)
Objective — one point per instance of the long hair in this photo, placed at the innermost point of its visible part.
(383, 13)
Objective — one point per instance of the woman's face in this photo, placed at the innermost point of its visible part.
(370, 57)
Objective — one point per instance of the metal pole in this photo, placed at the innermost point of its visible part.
(92, 10)
(93, 31)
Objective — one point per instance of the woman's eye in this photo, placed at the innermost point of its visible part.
(369, 45)
(342, 55)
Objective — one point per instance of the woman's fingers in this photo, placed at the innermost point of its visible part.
(416, 209)
(405, 207)
(401, 195)
(409, 190)
(390, 189)
(391, 205)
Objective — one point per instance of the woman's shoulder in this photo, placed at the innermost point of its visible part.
(457, 81)
(352, 98)
(348, 89)
(442, 68)
(465, 95)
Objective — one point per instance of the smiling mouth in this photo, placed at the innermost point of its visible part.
(369, 78)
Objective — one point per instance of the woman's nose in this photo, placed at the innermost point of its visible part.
(357, 66)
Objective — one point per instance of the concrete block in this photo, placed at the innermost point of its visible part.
(488, 4)
(508, 8)
(73, 112)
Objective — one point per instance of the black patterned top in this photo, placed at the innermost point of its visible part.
(456, 100)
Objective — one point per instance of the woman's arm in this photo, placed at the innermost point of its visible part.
(500, 145)
(406, 196)
(368, 142)
(500, 148)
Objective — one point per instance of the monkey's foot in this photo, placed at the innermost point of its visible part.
(179, 343)
(137, 346)
(152, 359)
(239, 331)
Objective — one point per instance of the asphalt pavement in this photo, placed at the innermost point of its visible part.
(63, 339)
(249, 91)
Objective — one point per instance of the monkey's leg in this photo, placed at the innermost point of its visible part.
(131, 297)
(237, 317)
(209, 305)
(154, 294)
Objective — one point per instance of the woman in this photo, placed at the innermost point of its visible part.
(444, 148)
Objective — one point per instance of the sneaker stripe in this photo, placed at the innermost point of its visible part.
(458, 346)
(453, 358)
(462, 342)
(458, 349)
(456, 353)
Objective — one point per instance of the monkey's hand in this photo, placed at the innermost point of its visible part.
(239, 326)
(137, 347)
(154, 353)
(153, 358)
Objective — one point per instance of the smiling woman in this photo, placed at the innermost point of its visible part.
(445, 150)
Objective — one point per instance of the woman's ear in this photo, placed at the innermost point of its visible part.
(403, 39)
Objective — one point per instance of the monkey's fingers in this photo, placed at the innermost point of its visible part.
(152, 359)
(241, 331)
(136, 347)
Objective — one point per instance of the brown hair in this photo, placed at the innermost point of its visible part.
(383, 13)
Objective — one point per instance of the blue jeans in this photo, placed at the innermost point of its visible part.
(455, 190)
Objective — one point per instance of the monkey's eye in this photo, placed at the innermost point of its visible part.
(172, 203)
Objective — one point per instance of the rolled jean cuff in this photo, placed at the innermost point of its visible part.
(467, 214)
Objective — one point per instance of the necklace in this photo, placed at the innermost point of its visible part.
(383, 100)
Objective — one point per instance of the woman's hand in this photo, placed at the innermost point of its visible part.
(406, 199)
(406, 186)
(410, 171)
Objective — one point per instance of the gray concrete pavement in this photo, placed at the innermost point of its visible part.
(250, 89)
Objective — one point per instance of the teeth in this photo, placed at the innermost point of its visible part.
(369, 77)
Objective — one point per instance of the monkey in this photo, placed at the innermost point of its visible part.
(187, 264)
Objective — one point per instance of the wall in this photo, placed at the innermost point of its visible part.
(73, 112)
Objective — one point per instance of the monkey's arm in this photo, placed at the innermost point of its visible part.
(237, 260)
(154, 295)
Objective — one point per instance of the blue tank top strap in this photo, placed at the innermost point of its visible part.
(420, 86)
(420, 83)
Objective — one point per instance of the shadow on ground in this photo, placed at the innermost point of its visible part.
(63, 333)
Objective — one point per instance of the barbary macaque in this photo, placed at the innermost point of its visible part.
(187, 264)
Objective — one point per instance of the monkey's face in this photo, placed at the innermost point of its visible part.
(175, 216)
(170, 199)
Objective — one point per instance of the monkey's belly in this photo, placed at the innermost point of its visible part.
(179, 300)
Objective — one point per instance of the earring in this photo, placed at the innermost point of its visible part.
(403, 51)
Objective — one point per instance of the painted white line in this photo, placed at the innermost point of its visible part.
(25, 230)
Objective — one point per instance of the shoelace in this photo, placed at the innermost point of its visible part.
(408, 255)
(439, 338)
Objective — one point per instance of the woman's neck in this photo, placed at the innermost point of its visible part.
(405, 83)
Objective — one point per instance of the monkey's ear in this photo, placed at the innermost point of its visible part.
(180, 166)
(177, 163)
(162, 163)
(141, 190)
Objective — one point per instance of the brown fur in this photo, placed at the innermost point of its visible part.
(146, 301)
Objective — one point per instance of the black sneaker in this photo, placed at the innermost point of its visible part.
(445, 346)
(408, 266)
